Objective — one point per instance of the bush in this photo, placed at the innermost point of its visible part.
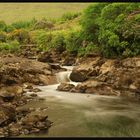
(73, 41)
(88, 49)
(3, 36)
(24, 24)
(42, 39)
(117, 35)
(58, 42)
(9, 28)
(2, 25)
(43, 24)
(114, 28)
(11, 46)
(21, 35)
(90, 21)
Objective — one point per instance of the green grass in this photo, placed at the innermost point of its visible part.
(12, 12)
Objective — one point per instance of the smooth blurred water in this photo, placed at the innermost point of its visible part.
(76, 114)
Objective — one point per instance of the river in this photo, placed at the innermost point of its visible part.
(77, 114)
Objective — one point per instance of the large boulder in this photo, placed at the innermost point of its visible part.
(78, 76)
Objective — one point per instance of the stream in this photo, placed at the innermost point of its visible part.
(77, 114)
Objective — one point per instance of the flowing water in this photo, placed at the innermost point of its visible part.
(76, 114)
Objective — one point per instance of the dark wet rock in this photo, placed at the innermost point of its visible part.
(69, 61)
(6, 96)
(51, 57)
(28, 86)
(78, 76)
(33, 95)
(35, 90)
(65, 87)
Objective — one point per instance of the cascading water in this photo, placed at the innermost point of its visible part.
(76, 114)
(64, 76)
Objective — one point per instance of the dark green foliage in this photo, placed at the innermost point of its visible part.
(58, 42)
(114, 28)
(73, 42)
(24, 24)
(11, 46)
(9, 28)
(90, 21)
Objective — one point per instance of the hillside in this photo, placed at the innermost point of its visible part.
(12, 12)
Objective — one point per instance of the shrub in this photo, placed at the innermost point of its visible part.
(89, 49)
(73, 41)
(2, 25)
(21, 35)
(11, 46)
(42, 39)
(58, 42)
(3, 36)
(90, 21)
(119, 32)
(24, 24)
(43, 24)
(114, 28)
(9, 28)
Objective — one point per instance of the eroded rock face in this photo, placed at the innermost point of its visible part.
(16, 70)
(108, 76)
(65, 87)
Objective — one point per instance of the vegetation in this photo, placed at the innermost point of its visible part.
(114, 28)
(110, 29)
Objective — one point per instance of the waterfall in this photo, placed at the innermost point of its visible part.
(64, 76)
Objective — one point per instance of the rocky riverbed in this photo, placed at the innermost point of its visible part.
(17, 76)
(96, 75)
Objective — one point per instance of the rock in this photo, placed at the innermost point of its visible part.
(36, 90)
(131, 62)
(65, 87)
(1, 132)
(15, 130)
(45, 57)
(28, 86)
(106, 67)
(47, 79)
(34, 130)
(78, 76)
(32, 119)
(6, 96)
(33, 95)
(16, 70)
(69, 61)
(7, 114)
